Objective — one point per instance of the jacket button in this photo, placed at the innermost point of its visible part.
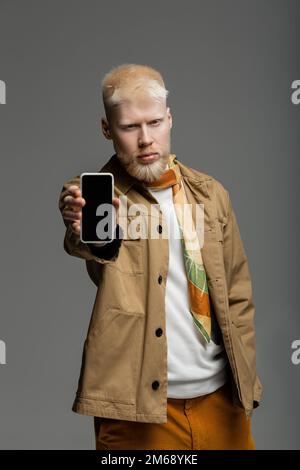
(159, 228)
(160, 279)
(155, 385)
(159, 332)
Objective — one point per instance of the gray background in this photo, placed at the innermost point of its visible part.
(229, 66)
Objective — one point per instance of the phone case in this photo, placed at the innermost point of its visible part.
(112, 195)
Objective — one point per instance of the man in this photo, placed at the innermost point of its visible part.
(169, 359)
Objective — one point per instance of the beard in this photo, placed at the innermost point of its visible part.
(147, 172)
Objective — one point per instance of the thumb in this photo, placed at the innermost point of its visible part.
(116, 202)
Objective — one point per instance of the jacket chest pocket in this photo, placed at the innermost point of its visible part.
(130, 258)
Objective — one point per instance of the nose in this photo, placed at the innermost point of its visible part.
(144, 138)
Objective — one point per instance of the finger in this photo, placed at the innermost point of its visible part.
(73, 187)
(116, 202)
(71, 201)
(66, 191)
(74, 191)
(71, 215)
(76, 228)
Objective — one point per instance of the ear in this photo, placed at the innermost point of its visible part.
(170, 117)
(105, 129)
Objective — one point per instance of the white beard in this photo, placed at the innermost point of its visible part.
(145, 172)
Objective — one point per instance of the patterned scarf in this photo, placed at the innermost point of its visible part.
(195, 271)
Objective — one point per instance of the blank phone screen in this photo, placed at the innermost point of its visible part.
(97, 223)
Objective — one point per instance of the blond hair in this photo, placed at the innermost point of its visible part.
(127, 81)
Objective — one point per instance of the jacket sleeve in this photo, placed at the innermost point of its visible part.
(87, 251)
(237, 275)
(239, 286)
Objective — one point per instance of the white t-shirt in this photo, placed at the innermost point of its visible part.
(194, 366)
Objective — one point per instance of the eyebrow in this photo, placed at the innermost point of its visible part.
(160, 118)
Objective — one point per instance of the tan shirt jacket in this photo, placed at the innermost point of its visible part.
(124, 365)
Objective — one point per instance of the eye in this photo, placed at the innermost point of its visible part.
(156, 121)
(130, 126)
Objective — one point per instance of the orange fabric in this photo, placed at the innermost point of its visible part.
(209, 422)
(192, 257)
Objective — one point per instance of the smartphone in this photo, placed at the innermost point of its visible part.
(98, 213)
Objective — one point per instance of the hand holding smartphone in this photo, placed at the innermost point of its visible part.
(98, 214)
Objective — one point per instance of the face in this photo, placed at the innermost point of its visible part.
(138, 128)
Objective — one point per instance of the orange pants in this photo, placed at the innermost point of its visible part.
(205, 422)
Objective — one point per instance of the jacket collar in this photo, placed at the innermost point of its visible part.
(124, 181)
